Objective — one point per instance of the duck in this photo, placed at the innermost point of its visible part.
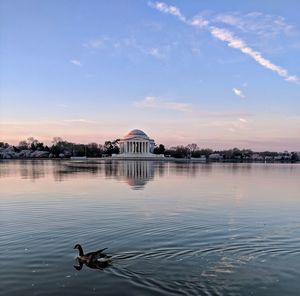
(93, 258)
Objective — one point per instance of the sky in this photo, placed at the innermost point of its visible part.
(221, 74)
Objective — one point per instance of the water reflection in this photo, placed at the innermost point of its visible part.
(135, 173)
(91, 264)
(194, 229)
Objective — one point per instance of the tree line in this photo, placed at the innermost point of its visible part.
(62, 148)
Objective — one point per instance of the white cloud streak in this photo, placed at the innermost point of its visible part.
(237, 43)
(228, 37)
(263, 25)
(80, 120)
(76, 63)
(169, 9)
(154, 103)
(238, 92)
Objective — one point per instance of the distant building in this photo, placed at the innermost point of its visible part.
(215, 156)
(136, 144)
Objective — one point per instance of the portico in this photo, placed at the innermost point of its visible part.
(135, 147)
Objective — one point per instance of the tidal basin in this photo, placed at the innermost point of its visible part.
(172, 228)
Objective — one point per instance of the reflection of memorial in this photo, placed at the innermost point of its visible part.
(136, 173)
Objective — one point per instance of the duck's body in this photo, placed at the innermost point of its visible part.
(93, 259)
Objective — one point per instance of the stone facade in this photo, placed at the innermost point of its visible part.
(136, 144)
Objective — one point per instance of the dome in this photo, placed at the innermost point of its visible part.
(136, 133)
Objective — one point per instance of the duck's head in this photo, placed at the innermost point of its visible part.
(79, 248)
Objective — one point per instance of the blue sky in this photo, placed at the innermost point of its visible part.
(217, 73)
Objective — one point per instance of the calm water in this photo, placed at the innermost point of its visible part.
(173, 229)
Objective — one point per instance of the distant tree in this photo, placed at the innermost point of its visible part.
(294, 157)
(34, 144)
(101, 149)
(93, 150)
(111, 147)
(247, 152)
(160, 149)
(77, 150)
(237, 153)
(67, 148)
(196, 154)
(4, 145)
(179, 152)
(56, 140)
(206, 152)
(192, 147)
(268, 153)
(23, 145)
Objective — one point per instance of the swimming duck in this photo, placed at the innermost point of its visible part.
(92, 257)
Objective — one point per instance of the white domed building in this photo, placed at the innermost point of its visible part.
(136, 144)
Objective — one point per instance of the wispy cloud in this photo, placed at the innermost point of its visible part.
(155, 52)
(97, 43)
(264, 25)
(113, 45)
(79, 120)
(227, 37)
(238, 92)
(163, 7)
(237, 43)
(155, 103)
(76, 63)
(243, 120)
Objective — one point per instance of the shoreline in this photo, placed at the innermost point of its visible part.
(96, 160)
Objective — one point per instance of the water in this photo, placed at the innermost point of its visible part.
(172, 228)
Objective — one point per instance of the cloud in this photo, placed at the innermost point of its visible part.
(228, 37)
(97, 43)
(163, 7)
(237, 43)
(263, 25)
(80, 120)
(243, 120)
(153, 102)
(76, 63)
(155, 52)
(238, 92)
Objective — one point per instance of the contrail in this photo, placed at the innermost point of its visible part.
(225, 36)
